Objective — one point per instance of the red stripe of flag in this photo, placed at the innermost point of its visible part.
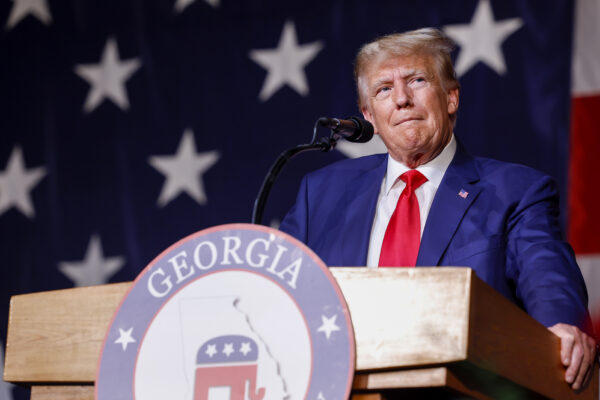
(584, 187)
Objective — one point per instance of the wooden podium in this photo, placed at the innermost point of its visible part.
(420, 333)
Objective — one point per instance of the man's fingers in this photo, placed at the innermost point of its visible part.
(567, 341)
(577, 356)
(577, 353)
(566, 350)
(587, 364)
(584, 364)
(591, 343)
(588, 376)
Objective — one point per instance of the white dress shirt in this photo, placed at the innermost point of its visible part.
(392, 186)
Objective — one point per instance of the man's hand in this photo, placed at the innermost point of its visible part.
(577, 353)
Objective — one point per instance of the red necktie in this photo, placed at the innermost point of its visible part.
(403, 234)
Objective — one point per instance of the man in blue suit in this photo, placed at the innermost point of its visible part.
(499, 219)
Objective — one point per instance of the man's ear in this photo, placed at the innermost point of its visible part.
(369, 117)
(453, 95)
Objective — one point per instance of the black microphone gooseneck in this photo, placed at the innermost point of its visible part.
(353, 129)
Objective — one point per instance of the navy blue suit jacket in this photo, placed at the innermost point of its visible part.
(506, 228)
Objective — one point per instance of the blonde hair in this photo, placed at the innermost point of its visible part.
(424, 41)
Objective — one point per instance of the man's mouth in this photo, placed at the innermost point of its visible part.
(405, 120)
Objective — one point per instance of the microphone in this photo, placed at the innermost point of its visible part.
(353, 129)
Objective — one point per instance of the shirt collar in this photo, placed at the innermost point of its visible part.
(433, 170)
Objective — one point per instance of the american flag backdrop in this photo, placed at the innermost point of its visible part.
(126, 125)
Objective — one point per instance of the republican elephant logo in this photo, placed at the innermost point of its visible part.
(228, 363)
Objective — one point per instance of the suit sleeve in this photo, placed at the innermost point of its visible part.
(295, 223)
(548, 280)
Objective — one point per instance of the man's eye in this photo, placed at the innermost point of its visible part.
(383, 92)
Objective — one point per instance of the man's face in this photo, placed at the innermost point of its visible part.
(405, 101)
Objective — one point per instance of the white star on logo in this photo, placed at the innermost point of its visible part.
(481, 40)
(22, 8)
(94, 269)
(320, 396)
(228, 349)
(211, 350)
(181, 5)
(328, 325)
(125, 338)
(108, 77)
(183, 171)
(15, 183)
(245, 348)
(285, 64)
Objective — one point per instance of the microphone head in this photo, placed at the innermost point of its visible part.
(364, 131)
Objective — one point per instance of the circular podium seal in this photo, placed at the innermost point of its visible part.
(234, 312)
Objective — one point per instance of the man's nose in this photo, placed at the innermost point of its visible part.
(402, 95)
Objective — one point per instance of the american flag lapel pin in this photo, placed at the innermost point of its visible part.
(463, 193)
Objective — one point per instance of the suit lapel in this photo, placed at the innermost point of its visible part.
(453, 198)
(360, 200)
